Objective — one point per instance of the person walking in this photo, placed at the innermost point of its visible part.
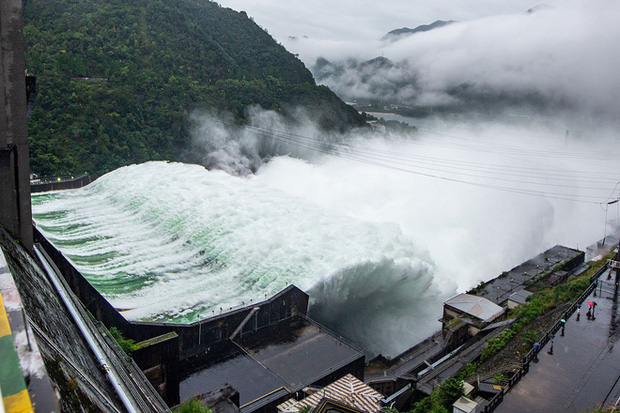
(550, 352)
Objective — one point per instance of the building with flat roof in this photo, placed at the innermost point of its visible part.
(473, 311)
(276, 363)
(517, 298)
(464, 405)
(553, 260)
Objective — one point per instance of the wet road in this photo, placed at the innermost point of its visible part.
(583, 371)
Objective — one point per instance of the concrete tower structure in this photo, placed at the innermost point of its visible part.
(15, 208)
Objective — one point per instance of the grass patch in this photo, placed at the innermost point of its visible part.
(540, 303)
(192, 406)
(154, 340)
(537, 304)
(127, 345)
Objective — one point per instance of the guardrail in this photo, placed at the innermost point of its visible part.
(47, 183)
(497, 399)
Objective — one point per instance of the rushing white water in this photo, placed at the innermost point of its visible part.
(175, 242)
(377, 247)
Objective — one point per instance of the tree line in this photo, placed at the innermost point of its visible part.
(117, 79)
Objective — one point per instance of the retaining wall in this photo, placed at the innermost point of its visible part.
(160, 359)
(497, 399)
(44, 185)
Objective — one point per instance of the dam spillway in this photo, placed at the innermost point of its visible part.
(171, 242)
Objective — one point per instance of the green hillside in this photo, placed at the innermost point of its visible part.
(117, 79)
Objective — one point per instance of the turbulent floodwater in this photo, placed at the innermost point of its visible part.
(175, 242)
(378, 232)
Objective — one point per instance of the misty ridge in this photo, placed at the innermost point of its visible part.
(465, 198)
(218, 142)
(554, 63)
(545, 59)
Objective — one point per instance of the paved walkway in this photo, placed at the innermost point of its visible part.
(15, 397)
(584, 369)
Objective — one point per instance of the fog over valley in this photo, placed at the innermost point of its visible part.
(519, 155)
(559, 54)
(516, 153)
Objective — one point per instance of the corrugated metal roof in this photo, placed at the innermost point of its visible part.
(478, 307)
(520, 296)
(348, 390)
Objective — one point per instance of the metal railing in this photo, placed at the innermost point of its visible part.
(497, 399)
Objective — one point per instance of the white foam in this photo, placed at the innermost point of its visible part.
(378, 249)
(180, 242)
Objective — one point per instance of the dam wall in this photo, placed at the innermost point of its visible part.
(70, 363)
(59, 183)
(163, 347)
(192, 338)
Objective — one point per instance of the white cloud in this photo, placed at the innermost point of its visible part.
(566, 53)
(365, 20)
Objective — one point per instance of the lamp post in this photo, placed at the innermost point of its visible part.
(606, 208)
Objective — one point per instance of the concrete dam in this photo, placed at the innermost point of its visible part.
(267, 352)
(171, 242)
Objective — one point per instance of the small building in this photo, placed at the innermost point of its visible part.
(347, 391)
(475, 312)
(517, 298)
(464, 405)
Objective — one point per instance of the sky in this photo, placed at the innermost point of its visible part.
(555, 170)
(349, 28)
(565, 51)
(349, 20)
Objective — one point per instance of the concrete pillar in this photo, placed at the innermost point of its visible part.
(15, 209)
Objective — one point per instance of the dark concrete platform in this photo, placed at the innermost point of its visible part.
(270, 365)
(242, 372)
(499, 289)
(602, 247)
(583, 371)
(300, 352)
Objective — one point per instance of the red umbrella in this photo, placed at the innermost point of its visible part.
(590, 303)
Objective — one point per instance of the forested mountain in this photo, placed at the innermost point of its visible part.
(405, 31)
(117, 78)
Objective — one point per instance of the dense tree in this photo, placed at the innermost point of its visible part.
(116, 79)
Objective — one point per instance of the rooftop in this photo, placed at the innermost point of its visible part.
(478, 307)
(463, 404)
(348, 390)
(520, 296)
(274, 362)
(300, 352)
(499, 289)
(253, 381)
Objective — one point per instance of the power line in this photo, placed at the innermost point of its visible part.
(457, 171)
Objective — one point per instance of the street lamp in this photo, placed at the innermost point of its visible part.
(606, 208)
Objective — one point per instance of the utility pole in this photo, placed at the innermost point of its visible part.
(614, 264)
(616, 267)
(15, 207)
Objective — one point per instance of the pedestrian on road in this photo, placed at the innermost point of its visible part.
(563, 326)
(578, 313)
(536, 350)
(552, 336)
